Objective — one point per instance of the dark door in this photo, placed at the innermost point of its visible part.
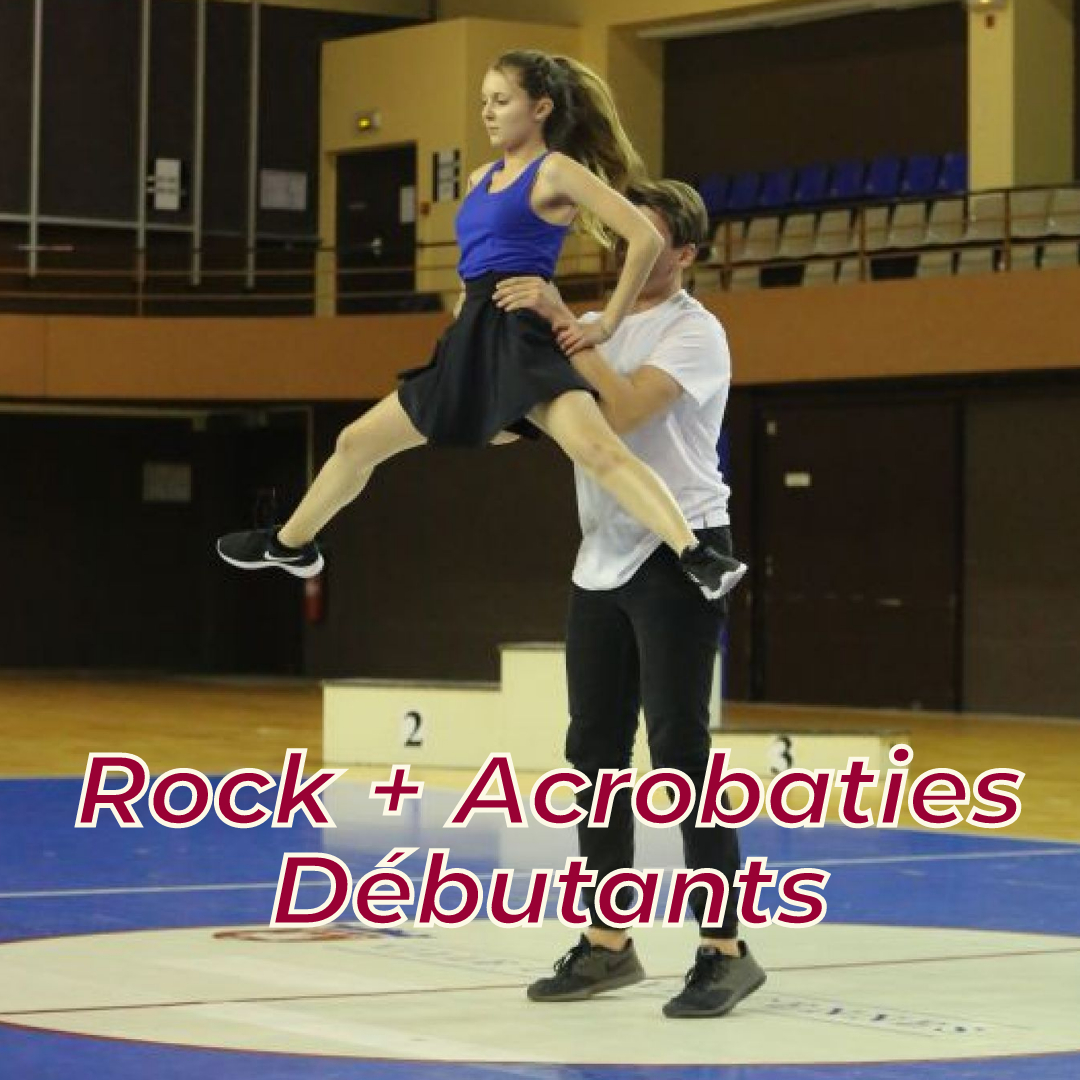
(376, 229)
(164, 488)
(737, 463)
(250, 477)
(859, 506)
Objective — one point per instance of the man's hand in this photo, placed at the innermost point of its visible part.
(536, 294)
(533, 294)
(575, 337)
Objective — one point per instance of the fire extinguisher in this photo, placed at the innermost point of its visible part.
(315, 599)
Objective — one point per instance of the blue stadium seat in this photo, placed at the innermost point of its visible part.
(742, 195)
(713, 189)
(920, 175)
(953, 179)
(847, 182)
(883, 178)
(776, 189)
(811, 185)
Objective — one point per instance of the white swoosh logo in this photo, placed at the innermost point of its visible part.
(269, 556)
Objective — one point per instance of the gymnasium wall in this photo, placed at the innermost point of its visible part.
(90, 101)
(555, 12)
(111, 574)
(451, 553)
(1021, 574)
(89, 152)
(892, 82)
(1046, 81)
(962, 325)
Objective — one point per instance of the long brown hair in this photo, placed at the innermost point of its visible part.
(584, 123)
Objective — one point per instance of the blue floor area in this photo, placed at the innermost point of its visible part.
(31, 1054)
(55, 880)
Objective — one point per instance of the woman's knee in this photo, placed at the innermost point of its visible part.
(382, 432)
(372, 437)
(353, 443)
(578, 426)
(598, 453)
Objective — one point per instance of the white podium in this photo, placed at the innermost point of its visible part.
(456, 725)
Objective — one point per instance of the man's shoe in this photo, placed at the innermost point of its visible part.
(589, 969)
(716, 984)
(258, 549)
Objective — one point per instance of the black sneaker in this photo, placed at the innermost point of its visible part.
(716, 574)
(716, 984)
(259, 548)
(589, 969)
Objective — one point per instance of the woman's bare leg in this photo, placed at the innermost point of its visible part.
(575, 422)
(382, 432)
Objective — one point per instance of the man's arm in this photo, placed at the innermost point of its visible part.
(627, 401)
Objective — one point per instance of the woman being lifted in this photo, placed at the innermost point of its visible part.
(564, 158)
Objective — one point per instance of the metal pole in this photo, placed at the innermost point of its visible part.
(143, 154)
(253, 144)
(197, 146)
(35, 143)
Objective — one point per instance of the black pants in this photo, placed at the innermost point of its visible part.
(651, 642)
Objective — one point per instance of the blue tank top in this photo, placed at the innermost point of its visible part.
(500, 231)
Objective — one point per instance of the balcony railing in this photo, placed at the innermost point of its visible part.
(982, 232)
(89, 267)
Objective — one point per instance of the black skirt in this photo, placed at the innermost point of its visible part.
(487, 372)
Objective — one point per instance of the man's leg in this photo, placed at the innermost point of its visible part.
(601, 667)
(603, 685)
(678, 634)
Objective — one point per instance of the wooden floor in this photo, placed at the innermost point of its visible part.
(48, 725)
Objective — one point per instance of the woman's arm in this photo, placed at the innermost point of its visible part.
(574, 183)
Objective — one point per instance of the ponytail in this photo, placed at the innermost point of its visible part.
(584, 123)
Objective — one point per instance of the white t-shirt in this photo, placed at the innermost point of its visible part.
(686, 340)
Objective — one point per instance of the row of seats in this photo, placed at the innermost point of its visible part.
(983, 218)
(929, 264)
(885, 177)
